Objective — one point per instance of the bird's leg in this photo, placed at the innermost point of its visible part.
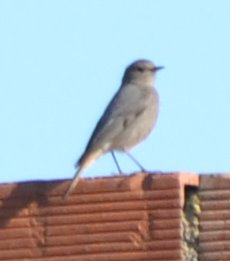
(116, 162)
(135, 161)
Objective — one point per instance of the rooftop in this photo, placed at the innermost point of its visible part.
(154, 216)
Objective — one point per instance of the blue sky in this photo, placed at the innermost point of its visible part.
(61, 62)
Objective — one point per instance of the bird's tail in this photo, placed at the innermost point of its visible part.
(73, 183)
(85, 162)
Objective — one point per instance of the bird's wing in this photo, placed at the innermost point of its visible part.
(123, 109)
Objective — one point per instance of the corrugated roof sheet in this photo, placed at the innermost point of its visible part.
(136, 217)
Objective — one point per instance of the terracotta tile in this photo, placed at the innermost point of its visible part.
(214, 237)
(136, 217)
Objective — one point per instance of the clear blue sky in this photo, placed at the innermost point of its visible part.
(61, 62)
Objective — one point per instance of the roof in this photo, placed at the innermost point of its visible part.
(153, 216)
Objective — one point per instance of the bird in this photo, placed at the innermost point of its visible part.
(128, 119)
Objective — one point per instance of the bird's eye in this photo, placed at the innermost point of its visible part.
(140, 69)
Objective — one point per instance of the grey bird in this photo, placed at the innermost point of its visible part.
(128, 119)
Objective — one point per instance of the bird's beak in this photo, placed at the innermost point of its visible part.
(158, 68)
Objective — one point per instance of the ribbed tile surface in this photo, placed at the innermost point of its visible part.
(120, 218)
(215, 218)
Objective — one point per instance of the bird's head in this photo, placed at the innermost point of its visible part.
(141, 72)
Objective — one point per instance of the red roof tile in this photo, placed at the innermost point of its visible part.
(215, 218)
(136, 217)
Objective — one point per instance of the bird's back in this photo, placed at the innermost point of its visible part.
(127, 120)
